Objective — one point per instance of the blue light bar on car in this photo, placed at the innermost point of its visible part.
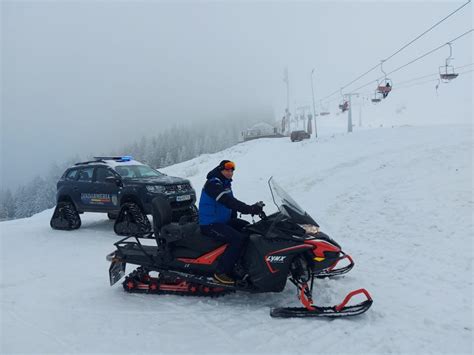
(126, 158)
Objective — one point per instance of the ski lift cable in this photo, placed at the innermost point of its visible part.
(433, 50)
(428, 81)
(418, 58)
(428, 75)
(401, 49)
(421, 83)
(402, 82)
(428, 30)
(399, 86)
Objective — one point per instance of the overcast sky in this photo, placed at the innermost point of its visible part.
(83, 77)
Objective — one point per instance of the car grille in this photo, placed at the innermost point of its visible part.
(181, 204)
(178, 188)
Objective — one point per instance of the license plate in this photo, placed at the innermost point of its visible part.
(183, 198)
(116, 271)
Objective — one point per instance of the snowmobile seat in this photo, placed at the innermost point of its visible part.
(183, 238)
(189, 237)
(162, 217)
(161, 211)
(194, 244)
(173, 232)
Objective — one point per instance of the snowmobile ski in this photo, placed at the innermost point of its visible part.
(341, 310)
(333, 271)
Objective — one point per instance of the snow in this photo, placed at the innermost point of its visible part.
(115, 163)
(398, 199)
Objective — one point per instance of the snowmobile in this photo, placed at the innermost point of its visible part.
(284, 245)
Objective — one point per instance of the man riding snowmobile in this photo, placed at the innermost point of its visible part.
(286, 245)
(218, 217)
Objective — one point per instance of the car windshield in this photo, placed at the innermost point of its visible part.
(283, 200)
(136, 171)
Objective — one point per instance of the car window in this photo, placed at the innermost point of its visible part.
(137, 171)
(125, 171)
(85, 174)
(101, 173)
(72, 175)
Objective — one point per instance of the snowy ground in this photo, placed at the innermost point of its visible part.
(399, 200)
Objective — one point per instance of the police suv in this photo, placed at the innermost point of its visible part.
(121, 187)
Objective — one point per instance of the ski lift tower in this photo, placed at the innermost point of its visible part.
(301, 114)
(287, 110)
(349, 115)
(314, 107)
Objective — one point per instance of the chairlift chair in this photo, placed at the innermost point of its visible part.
(446, 72)
(376, 98)
(344, 106)
(324, 109)
(384, 86)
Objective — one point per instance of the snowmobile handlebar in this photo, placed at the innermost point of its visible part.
(262, 214)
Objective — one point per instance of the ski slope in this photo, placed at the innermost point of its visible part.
(399, 200)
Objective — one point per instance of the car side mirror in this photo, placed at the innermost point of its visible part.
(113, 180)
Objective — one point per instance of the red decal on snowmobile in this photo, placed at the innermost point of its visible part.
(268, 260)
(321, 246)
(142, 286)
(344, 257)
(206, 259)
(182, 286)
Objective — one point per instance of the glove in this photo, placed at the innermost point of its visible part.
(257, 208)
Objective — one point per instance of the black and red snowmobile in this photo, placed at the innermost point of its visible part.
(284, 245)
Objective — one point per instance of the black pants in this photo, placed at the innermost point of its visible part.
(230, 233)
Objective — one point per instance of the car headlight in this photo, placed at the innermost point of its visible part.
(310, 228)
(156, 189)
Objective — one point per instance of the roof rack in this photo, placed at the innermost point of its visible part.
(116, 158)
(91, 161)
(103, 160)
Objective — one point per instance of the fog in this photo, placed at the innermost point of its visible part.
(85, 77)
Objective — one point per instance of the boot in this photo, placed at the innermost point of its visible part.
(223, 279)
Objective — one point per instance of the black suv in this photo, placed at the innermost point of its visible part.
(121, 187)
(298, 136)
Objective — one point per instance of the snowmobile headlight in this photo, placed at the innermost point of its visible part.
(310, 228)
(110, 256)
(157, 189)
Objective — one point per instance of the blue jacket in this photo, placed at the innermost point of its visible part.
(217, 203)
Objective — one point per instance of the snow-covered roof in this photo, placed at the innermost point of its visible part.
(261, 125)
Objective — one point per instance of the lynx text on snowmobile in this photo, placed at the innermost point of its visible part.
(284, 245)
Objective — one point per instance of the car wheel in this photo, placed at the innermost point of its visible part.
(131, 220)
(65, 217)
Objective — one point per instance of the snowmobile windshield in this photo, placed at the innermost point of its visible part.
(287, 206)
(137, 171)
